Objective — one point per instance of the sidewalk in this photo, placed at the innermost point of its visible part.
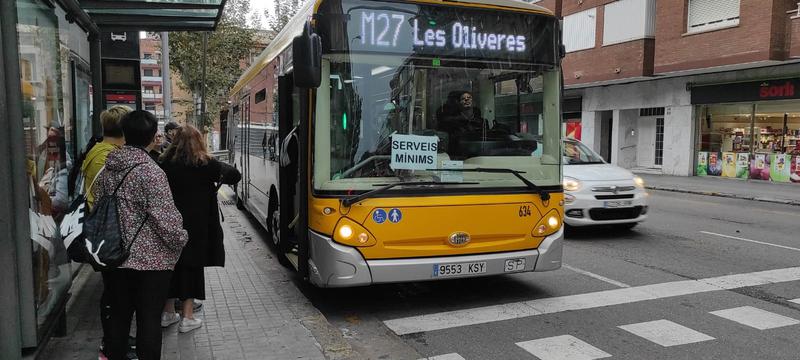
(732, 188)
(253, 310)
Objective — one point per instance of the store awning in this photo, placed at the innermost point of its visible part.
(154, 15)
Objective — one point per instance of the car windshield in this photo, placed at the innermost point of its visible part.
(393, 120)
(576, 153)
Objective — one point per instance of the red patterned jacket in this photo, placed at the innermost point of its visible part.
(145, 191)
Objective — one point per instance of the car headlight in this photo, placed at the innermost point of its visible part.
(638, 181)
(571, 184)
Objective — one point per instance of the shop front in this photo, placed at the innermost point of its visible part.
(749, 130)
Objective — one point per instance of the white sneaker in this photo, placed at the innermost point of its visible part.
(168, 319)
(190, 324)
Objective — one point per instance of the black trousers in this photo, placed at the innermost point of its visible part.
(143, 292)
(105, 312)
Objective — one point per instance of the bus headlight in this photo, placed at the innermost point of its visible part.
(571, 184)
(549, 224)
(349, 232)
(639, 182)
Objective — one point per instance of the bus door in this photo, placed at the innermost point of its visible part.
(288, 195)
(244, 143)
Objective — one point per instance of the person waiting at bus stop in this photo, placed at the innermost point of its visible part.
(194, 177)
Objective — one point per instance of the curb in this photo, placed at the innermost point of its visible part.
(726, 195)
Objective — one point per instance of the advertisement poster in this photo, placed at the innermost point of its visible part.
(729, 164)
(574, 129)
(759, 167)
(742, 165)
(780, 167)
(714, 164)
(795, 177)
(702, 163)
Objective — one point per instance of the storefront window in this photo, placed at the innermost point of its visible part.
(47, 127)
(750, 141)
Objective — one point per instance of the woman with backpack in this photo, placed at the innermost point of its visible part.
(151, 228)
(194, 177)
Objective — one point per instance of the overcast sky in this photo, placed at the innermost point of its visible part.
(259, 6)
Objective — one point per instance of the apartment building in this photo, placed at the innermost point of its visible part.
(152, 79)
(683, 87)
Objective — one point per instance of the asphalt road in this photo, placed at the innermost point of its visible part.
(702, 278)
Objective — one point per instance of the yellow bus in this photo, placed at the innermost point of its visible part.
(394, 141)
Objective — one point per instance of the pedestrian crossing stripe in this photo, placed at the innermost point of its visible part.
(452, 356)
(666, 333)
(755, 317)
(796, 301)
(564, 347)
(493, 313)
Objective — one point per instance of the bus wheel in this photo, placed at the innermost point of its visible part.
(239, 202)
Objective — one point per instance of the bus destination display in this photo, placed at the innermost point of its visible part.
(364, 26)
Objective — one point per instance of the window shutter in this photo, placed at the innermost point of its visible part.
(627, 20)
(579, 30)
(709, 14)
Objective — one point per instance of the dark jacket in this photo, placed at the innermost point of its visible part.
(194, 190)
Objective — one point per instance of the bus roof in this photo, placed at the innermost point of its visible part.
(295, 27)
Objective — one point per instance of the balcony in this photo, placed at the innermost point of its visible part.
(152, 96)
(152, 79)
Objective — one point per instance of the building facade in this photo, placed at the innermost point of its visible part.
(152, 78)
(687, 87)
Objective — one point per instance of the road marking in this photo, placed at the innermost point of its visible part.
(487, 314)
(564, 347)
(752, 241)
(666, 333)
(452, 356)
(796, 301)
(596, 276)
(755, 317)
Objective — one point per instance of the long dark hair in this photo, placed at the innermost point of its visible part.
(188, 147)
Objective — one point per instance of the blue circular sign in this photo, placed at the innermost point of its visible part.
(395, 215)
(379, 216)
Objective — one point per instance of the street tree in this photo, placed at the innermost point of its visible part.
(280, 15)
(227, 46)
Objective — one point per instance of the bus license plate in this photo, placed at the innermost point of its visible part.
(444, 270)
(515, 265)
(618, 204)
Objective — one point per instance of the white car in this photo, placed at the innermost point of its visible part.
(598, 193)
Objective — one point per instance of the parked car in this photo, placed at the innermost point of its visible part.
(598, 193)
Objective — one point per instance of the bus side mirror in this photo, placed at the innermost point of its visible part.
(307, 59)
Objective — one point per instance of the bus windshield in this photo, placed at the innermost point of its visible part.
(382, 119)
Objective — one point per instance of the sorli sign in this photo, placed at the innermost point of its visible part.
(777, 91)
(780, 89)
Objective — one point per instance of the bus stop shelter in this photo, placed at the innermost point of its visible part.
(41, 41)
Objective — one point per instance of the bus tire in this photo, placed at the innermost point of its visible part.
(273, 229)
(239, 202)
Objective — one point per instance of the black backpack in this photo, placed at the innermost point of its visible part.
(104, 247)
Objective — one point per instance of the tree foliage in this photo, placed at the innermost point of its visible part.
(227, 46)
(283, 11)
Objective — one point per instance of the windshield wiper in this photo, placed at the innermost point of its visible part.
(352, 200)
(544, 195)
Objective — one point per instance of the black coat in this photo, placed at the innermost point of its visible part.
(194, 191)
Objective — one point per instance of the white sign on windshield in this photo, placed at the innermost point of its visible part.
(414, 152)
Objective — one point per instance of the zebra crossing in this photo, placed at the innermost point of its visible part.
(662, 332)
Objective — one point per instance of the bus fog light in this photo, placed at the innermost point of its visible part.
(346, 231)
(363, 238)
(541, 230)
(553, 222)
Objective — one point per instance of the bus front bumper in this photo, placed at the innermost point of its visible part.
(335, 265)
